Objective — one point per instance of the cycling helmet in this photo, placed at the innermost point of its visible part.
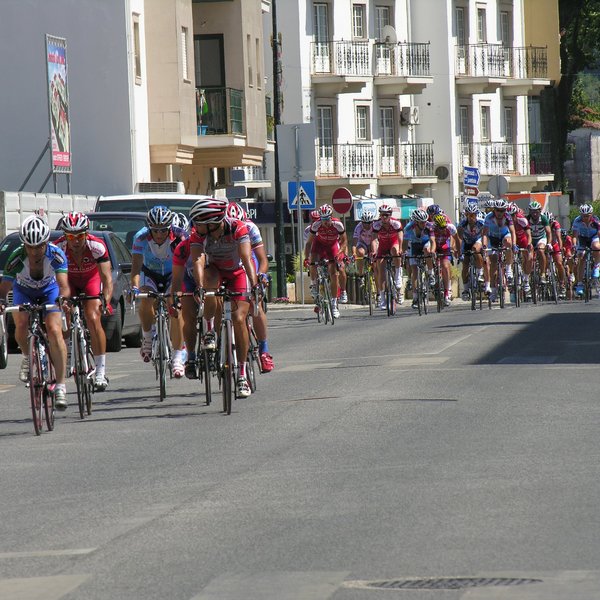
(586, 209)
(34, 231)
(481, 215)
(434, 209)
(512, 209)
(489, 203)
(235, 211)
(159, 217)
(209, 210)
(501, 204)
(74, 222)
(564, 233)
(368, 216)
(314, 215)
(419, 216)
(551, 217)
(534, 205)
(385, 209)
(325, 211)
(471, 208)
(181, 221)
(441, 221)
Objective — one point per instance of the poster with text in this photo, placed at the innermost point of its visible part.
(58, 104)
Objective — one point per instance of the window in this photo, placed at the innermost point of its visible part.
(481, 26)
(386, 123)
(325, 125)
(359, 30)
(209, 61)
(461, 29)
(464, 125)
(362, 124)
(321, 23)
(508, 125)
(258, 62)
(382, 18)
(249, 59)
(137, 53)
(506, 29)
(485, 123)
(184, 54)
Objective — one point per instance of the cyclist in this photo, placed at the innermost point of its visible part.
(446, 242)
(222, 254)
(261, 265)
(499, 232)
(389, 236)
(37, 273)
(523, 237)
(568, 259)
(556, 249)
(362, 241)
(90, 273)
(181, 221)
(469, 233)
(327, 241)
(314, 216)
(420, 240)
(540, 234)
(152, 263)
(586, 229)
(432, 211)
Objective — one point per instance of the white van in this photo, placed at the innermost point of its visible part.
(144, 202)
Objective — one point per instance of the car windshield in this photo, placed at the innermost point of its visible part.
(123, 227)
(143, 205)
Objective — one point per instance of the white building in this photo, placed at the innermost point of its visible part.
(404, 94)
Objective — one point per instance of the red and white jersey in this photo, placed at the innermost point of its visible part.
(327, 232)
(94, 252)
(442, 236)
(387, 234)
(223, 253)
(521, 222)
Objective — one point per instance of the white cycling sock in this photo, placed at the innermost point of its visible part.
(178, 355)
(101, 363)
(147, 335)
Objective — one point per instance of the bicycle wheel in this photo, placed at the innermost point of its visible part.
(553, 284)
(419, 290)
(501, 282)
(3, 343)
(390, 292)
(517, 282)
(369, 290)
(162, 359)
(36, 382)
(253, 361)
(438, 289)
(227, 369)
(90, 366)
(48, 399)
(535, 288)
(424, 291)
(473, 283)
(326, 299)
(79, 375)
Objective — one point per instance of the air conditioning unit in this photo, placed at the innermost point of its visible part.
(442, 172)
(409, 115)
(157, 187)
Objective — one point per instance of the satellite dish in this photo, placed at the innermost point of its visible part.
(389, 34)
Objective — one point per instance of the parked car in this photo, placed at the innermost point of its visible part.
(123, 224)
(144, 202)
(122, 323)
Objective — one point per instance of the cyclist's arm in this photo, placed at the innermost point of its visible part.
(5, 287)
(484, 236)
(548, 234)
(513, 234)
(177, 278)
(105, 270)
(137, 261)
(198, 262)
(400, 238)
(460, 233)
(246, 258)
(62, 279)
(308, 245)
(261, 256)
(344, 243)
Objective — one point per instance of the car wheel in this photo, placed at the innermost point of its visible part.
(113, 343)
(134, 340)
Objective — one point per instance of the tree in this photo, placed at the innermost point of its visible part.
(579, 50)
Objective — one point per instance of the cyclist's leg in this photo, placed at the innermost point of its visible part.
(541, 255)
(146, 314)
(395, 251)
(261, 328)
(238, 282)
(212, 280)
(58, 349)
(92, 310)
(21, 319)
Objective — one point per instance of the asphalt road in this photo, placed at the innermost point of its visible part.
(404, 451)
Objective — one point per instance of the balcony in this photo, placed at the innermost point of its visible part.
(402, 68)
(481, 68)
(520, 163)
(225, 112)
(254, 177)
(340, 67)
(528, 71)
(365, 164)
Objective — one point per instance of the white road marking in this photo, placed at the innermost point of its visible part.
(40, 588)
(42, 553)
(5, 387)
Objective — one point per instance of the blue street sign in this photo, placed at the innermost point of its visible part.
(471, 176)
(305, 197)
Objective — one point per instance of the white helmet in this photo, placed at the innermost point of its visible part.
(34, 231)
(368, 216)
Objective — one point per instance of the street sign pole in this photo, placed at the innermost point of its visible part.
(299, 205)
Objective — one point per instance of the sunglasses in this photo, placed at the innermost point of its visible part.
(500, 209)
(159, 229)
(74, 236)
(385, 216)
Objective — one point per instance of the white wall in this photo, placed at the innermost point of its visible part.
(98, 93)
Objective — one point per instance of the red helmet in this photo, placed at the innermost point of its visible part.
(235, 211)
(74, 222)
(314, 215)
(385, 209)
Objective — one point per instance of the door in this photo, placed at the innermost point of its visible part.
(322, 57)
(326, 162)
(388, 138)
(384, 50)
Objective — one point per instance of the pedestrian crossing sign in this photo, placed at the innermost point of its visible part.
(302, 196)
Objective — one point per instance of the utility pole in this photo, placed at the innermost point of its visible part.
(279, 224)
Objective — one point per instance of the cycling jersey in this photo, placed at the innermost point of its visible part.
(387, 235)
(18, 269)
(497, 230)
(586, 231)
(471, 233)
(327, 232)
(224, 252)
(538, 228)
(363, 236)
(521, 227)
(182, 257)
(94, 252)
(442, 236)
(418, 238)
(157, 258)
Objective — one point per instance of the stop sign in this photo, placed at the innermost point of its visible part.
(341, 200)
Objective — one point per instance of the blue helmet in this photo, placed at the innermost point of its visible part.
(434, 209)
(159, 216)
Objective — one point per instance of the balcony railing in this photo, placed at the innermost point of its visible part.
(369, 161)
(402, 59)
(497, 60)
(225, 115)
(341, 58)
(500, 158)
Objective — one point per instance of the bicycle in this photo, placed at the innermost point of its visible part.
(475, 286)
(500, 254)
(588, 270)
(368, 287)
(82, 356)
(422, 287)
(42, 379)
(391, 294)
(438, 288)
(162, 350)
(323, 293)
(552, 288)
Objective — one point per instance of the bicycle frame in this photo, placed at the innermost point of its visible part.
(323, 293)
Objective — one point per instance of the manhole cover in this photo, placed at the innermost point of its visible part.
(448, 583)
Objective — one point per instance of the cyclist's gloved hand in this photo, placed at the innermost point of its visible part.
(2, 305)
(199, 294)
(108, 309)
(263, 278)
(176, 302)
(515, 248)
(306, 262)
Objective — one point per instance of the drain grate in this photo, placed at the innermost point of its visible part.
(448, 583)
